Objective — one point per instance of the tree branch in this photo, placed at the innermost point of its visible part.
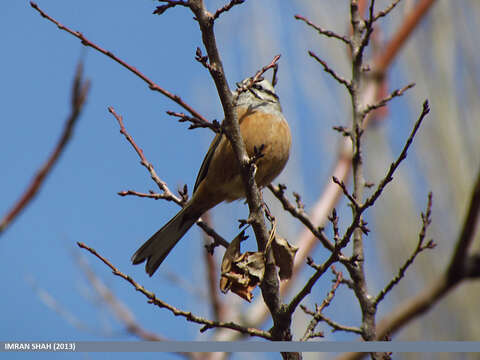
(132, 69)
(80, 90)
(152, 299)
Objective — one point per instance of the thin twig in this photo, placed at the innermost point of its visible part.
(334, 220)
(384, 101)
(387, 10)
(108, 53)
(217, 239)
(118, 308)
(321, 31)
(330, 71)
(339, 327)
(350, 197)
(368, 24)
(196, 122)
(167, 194)
(279, 192)
(426, 221)
(313, 279)
(393, 167)
(170, 4)
(152, 299)
(258, 75)
(216, 303)
(227, 7)
(151, 195)
(160, 183)
(309, 332)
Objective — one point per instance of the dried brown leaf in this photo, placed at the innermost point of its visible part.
(241, 273)
(284, 255)
(232, 252)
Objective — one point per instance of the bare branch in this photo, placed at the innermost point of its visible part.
(313, 279)
(427, 299)
(426, 221)
(217, 239)
(151, 195)
(167, 194)
(227, 7)
(80, 90)
(309, 332)
(385, 101)
(350, 197)
(170, 3)
(457, 268)
(327, 69)
(258, 75)
(334, 220)
(385, 12)
(118, 308)
(368, 25)
(321, 31)
(108, 53)
(152, 299)
(393, 167)
(336, 326)
(196, 122)
(279, 192)
(216, 303)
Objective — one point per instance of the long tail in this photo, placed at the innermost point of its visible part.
(156, 249)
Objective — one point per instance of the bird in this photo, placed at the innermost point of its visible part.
(262, 126)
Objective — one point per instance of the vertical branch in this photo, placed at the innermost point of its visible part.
(212, 279)
(270, 284)
(361, 32)
(358, 183)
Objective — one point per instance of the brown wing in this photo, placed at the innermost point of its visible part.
(206, 161)
(202, 173)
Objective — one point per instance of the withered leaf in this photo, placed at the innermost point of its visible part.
(232, 252)
(284, 255)
(241, 273)
(252, 264)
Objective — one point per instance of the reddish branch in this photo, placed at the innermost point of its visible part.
(79, 95)
(152, 299)
(216, 304)
(108, 53)
(167, 194)
(410, 23)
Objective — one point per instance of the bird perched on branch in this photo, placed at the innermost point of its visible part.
(262, 126)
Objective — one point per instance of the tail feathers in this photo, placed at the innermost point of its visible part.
(156, 249)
